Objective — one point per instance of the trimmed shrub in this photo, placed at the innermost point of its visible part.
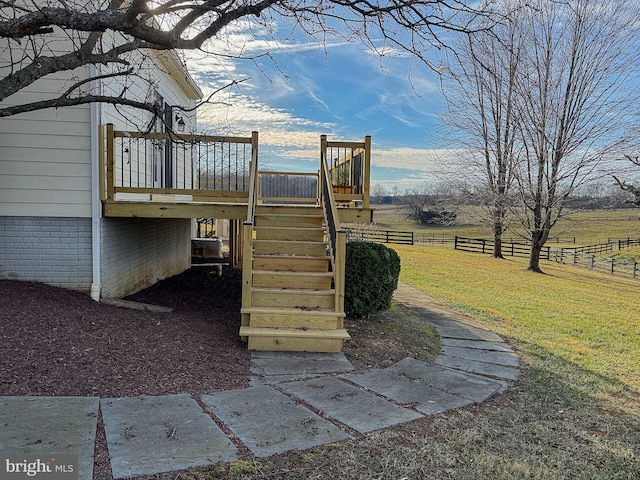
(371, 276)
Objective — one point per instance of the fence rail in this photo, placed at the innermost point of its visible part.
(616, 266)
(510, 249)
(381, 236)
(626, 243)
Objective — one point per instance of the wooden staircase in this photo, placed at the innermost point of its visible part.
(292, 303)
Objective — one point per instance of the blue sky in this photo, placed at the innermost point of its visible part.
(339, 89)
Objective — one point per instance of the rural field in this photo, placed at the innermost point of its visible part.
(586, 227)
(574, 412)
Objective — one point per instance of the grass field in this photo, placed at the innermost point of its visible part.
(587, 227)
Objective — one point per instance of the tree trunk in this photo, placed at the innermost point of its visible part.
(538, 239)
(497, 241)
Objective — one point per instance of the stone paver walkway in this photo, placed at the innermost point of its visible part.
(295, 401)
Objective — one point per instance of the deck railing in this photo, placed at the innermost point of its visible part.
(337, 235)
(159, 162)
(298, 187)
(349, 165)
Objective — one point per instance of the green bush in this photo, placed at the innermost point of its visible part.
(371, 276)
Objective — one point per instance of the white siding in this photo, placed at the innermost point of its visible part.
(45, 156)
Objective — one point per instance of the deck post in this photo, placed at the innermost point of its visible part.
(366, 176)
(102, 159)
(247, 269)
(340, 263)
(111, 158)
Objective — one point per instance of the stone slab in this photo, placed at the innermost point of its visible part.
(467, 385)
(269, 422)
(360, 410)
(419, 396)
(149, 435)
(477, 344)
(50, 425)
(468, 333)
(500, 358)
(302, 364)
(480, 368)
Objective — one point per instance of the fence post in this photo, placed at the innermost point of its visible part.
(593, 261)
(411, 238)
(575, 257)
(635, 269)
(455, 242)
(483, 244)
(613, 261)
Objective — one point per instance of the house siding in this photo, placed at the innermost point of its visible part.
(45, 158)
(51, 250)
(138, 252)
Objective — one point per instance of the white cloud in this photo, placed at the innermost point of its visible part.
(419, 159)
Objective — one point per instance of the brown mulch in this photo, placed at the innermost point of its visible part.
(59, 342)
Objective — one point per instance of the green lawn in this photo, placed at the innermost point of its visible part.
(587, 318)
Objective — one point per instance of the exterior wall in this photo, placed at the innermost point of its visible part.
(44, 158)
(137, 252)
(52, 250)
(46, 186)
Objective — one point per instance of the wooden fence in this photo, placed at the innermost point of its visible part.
(628, 268)
(626, 243)
(510, 249)
(381, 236)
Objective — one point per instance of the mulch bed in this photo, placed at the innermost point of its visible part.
(59, 342)
(56, 342)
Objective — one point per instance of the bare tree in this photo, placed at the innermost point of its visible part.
(430, 204)
(573, 87)
(42, 37)
(634, 190)
(479, 85)
(378, 192)
(577, 84)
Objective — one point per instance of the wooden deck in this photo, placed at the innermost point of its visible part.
(284, 226)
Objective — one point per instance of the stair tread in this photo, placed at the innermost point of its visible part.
(294, 273)
(297, 257)
(294, 311)
(319, 214)
(294, 290)
(294, 332)
(286, 241)
(287, 227)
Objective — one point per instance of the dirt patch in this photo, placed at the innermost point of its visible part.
(388, 337)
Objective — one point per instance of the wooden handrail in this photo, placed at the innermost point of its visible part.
(187, 137)
(247, 230)
(337, 235)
